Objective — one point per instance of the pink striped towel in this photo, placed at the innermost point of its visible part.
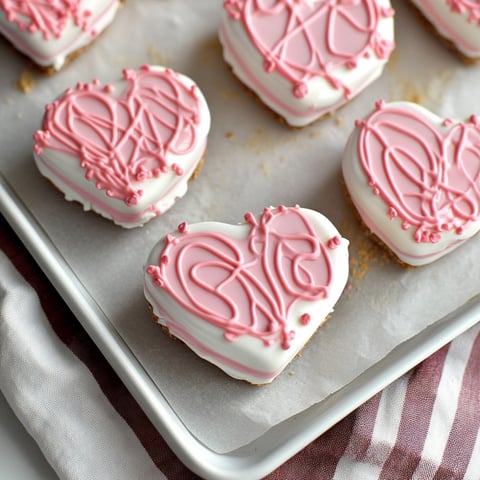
(424, 426)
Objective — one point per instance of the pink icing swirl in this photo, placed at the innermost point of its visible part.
(428, 175)
(303, 39)
(248, 286)
(48, 17)
(122, 141)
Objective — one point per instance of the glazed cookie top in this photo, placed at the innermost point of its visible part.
(280, 262)
(125, 147)
(306, 58)
(248, 297)
(49, 31)
(302, 40)
(427, 176)
(415, 178)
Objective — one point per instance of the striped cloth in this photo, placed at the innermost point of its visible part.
(424, 426)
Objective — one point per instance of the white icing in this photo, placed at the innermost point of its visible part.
(373, 209)
(276, 92)
(54, 51)
(246, 350)
(159, 194)
(453, 26)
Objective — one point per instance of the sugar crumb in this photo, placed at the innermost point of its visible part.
(364, 255)
(26, 82)
(259, 142)
(158, 57)
(265, 169)
(315, 134)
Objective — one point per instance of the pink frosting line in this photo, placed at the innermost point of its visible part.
(28, 49)
(389, 241)
(181, 333)
(248, 285)
(262, 91)
(258, 85)
(442, 25)
(116, 215)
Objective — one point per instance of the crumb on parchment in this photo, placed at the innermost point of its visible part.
(365, 253)
(157, 57)
(25, 82)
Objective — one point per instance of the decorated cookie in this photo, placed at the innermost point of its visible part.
(51, 32)
(248, 297)
(415, 180)
(456, 21)
(306, 58)
(125, 150)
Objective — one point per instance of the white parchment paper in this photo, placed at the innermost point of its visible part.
(253, 161)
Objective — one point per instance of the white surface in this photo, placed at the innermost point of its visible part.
(20, 457)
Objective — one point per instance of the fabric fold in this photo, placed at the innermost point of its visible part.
(56, 397)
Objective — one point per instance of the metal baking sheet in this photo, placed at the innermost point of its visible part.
(277, 445)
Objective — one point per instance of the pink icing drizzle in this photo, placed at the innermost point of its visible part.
(428, 175)
(302, 40)
(124, 140)
(48, 17)
(471, 7)
(248, 286)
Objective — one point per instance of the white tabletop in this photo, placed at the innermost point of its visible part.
(20, 457)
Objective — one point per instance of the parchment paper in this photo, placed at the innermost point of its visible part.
(253, 161)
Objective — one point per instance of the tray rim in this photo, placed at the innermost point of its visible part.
(276, 446)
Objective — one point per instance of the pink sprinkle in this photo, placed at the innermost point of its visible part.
(183, 227)
(305, 319)
(231, 337)
(268, 65)
(177, 169)
(250, 218)
(128, 74)
(334, 242)
(435, 237)
(300, 90)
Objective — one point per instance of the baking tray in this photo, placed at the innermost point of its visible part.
(281, 442)
(269, 451)
(253, 157)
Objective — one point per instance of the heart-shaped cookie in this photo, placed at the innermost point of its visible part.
(51, 32)
(456, 21)
(415, 179)
(306, 58)
(126, 151)
(248, 297)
